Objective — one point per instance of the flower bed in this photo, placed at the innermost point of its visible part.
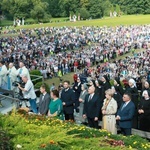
(39, 132)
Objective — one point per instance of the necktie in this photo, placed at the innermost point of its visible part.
(20, 71)
(124, 105)
(90, 97)
(43, 97)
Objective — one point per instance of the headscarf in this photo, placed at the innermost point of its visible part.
(133, 82)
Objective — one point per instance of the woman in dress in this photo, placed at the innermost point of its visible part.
(109, 110)
(55, 106)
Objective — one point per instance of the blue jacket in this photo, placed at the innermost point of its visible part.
(126, 114)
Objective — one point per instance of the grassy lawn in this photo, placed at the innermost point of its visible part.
(123, 20)
(107, 21)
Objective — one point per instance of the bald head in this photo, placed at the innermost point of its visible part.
(11, 65)
(91, 89)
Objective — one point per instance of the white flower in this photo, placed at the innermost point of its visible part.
(19, 146)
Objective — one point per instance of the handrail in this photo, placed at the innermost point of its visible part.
(38, 77)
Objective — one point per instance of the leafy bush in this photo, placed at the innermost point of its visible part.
(37, 73)
(38, 85)
(5, 141)
(41, 132)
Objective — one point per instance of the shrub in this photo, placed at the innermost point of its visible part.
(5, 141)
(38, 85)
(37, 73)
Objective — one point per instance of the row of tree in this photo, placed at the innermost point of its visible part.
(43, 9)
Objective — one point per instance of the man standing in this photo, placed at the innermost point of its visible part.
(28, 92)
(3, 75)
(92, 107)
(125, 114)
(68, 99)
(43, 101)
(11, 76)
(77, 90)
(22, 70)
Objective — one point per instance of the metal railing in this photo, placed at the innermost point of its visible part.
(11, 94)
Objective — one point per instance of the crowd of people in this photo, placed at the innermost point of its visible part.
(45, 48)
(115, 92)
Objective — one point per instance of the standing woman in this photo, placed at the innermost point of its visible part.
(83, 93)
(55, 106)
(109, 110)
(144, 111)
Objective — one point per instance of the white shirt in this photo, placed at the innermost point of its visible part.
(29, 93)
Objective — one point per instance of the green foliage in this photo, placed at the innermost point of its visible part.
(39, 132)
(95, 9)
(38, 85)
(133, 6)
(84, 13)
(42, 10)
(5, 140)
(37, 74)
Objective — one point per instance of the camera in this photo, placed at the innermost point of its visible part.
(15, 83)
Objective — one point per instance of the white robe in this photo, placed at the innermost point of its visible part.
(24, 71)
(3, 76)
(12, 75)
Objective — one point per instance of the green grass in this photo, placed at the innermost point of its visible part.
(123, 20)
(107, 21)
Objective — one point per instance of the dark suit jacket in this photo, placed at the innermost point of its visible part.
(118, 99)
(69, 98)
(92, 107)
(44, 104)
(77, 91)
(126, 114)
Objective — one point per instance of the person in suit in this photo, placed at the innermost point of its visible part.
(134, 93)
(125, 114)
(92, 107)
(144, 111)
(100, 91)
(11, 76)
(68, 100)
(109, 110)
(44, 101)
(77, 90)
(83, 93)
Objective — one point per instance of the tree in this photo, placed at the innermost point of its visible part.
(17, 8)
(84, 4)
(118, 9)
(84, 13)
(39, 10)
(54, 8)
(95, 9)
(68, 5)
